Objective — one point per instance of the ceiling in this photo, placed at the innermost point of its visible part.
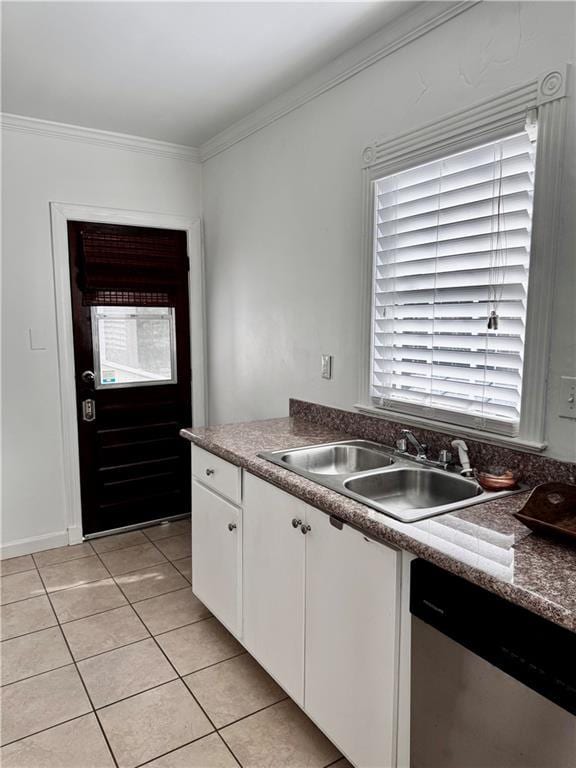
(176, 71)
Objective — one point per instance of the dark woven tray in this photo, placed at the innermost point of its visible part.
(551, 510)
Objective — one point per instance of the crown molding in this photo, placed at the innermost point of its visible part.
(22, 124)
(504, 111)
(405, 30)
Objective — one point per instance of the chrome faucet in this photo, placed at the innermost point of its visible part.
(462, 448)
(420, 447)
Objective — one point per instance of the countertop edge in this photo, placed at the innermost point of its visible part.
(335, 504)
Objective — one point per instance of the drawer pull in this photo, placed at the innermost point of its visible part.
(305, 528)
(296, 523)
(210, 472)
(231, 526)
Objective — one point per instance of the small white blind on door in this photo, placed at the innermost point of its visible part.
(452, 249)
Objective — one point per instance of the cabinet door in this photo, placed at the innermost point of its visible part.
(351, 640)
(216, 555)
(274, 583)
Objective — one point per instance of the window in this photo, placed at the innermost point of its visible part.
(133, 346)
(450, 285)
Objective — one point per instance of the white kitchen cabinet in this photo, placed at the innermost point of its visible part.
(318, 609)
(274, 552)
(217, 556)
(351, 639)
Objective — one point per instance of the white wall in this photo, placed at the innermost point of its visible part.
(283, 214)
(37, 170)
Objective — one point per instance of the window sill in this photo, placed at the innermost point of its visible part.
(455, 430)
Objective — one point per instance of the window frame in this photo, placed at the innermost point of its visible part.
(490, 120)
(97, 362)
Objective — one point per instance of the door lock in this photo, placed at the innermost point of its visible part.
(88, 410)
(88, 377)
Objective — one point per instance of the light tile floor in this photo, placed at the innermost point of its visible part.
(109, 661)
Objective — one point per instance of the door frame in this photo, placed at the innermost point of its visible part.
(60, 215)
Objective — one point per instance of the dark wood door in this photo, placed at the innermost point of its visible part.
(133, 380)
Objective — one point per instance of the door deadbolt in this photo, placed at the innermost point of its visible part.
(88, 410)
(88, 377)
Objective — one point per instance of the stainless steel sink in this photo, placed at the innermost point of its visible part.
(418, 488)
(391, 482)
(338, 459)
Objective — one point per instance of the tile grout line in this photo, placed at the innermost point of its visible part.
(74, 662)
(146, 599)
(69, 621)
(188, 743)
(94, 553)
(166, 559)
(32, 631)
(49, 728)
(109, 650)
(262, 709)
(162, 553)
(17, 573)
(133, 546)
(60, 623)
(36, 674)
(166, 631)
(216, 729)
(138, 693)
(181, 679)
(45, 593)
(61, 562)
(132, 695)
(229, 748)
(152, 637)
(168, 592)
(206, 715)
(82, 680)
(134, 571)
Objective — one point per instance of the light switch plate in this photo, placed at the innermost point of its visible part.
(326, 366)
(37, 339)
(567, 397)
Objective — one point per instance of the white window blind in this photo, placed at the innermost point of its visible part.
(452, 248)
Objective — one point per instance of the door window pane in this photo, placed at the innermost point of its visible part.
(133, 346)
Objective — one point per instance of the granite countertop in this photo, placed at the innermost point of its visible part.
(484, 544)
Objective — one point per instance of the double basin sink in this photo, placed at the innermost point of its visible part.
(388, 481)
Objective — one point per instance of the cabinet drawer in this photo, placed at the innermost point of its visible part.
(215, 473)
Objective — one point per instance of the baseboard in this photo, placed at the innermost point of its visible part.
(33, 544)
(74, 534)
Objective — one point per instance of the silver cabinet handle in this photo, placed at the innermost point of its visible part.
(305, 528)
(232, 526)
(296, 523)
(209, 472)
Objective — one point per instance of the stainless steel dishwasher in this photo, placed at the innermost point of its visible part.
(493, 685)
